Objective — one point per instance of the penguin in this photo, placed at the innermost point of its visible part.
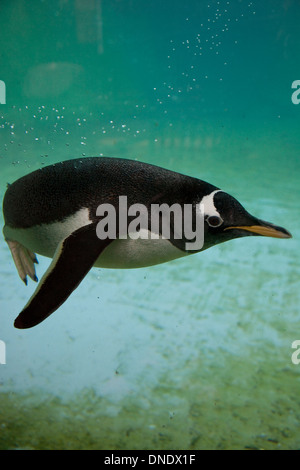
(54, 212)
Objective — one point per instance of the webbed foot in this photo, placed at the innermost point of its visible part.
(24, 260)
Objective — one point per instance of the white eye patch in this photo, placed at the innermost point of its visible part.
(209, 206)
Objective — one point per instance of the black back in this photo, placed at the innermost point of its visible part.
(55, 192)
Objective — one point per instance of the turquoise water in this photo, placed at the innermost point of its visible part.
(196, 353)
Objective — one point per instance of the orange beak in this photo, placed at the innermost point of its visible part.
(264, 230)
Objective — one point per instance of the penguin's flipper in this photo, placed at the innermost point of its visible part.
(73, 259)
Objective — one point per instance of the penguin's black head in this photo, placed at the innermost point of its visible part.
(225, 219)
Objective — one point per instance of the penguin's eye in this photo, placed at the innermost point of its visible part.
(214, 221)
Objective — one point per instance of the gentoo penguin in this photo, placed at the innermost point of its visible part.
(57, 212)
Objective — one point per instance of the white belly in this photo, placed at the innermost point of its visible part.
(138, 253)
(44, 239)
(128, 253)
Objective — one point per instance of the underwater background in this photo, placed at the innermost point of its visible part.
(195, 353)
